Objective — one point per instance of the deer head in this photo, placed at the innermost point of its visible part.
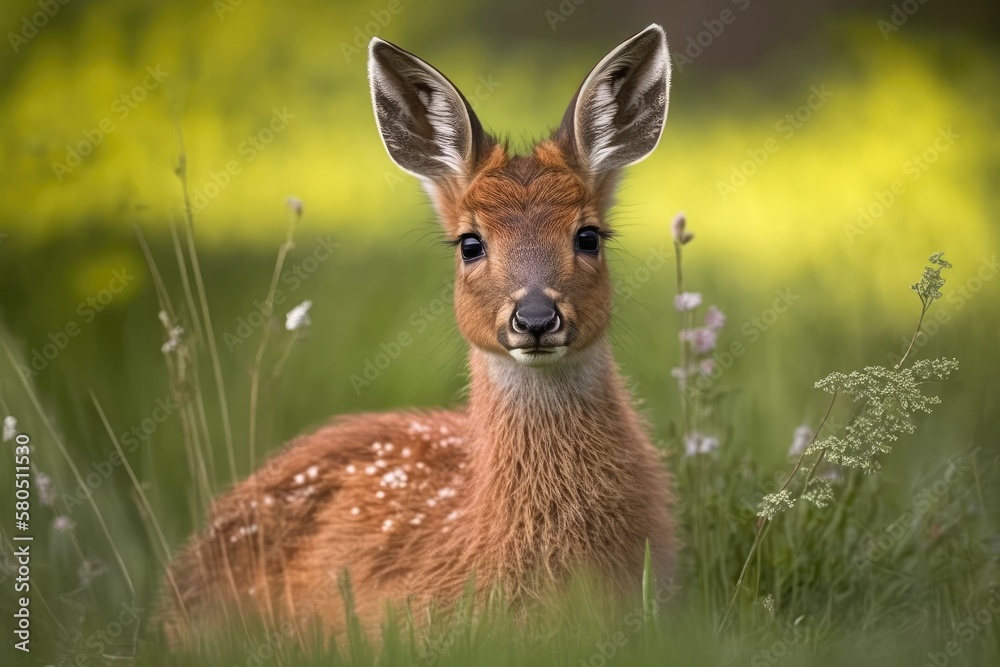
(529, 231)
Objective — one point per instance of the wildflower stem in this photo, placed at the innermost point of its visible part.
(685, 412)
(916, 333)
(812, 471)
(61, 446)
(280, 364)
(265, 335)
(765, 522)
(206, 316)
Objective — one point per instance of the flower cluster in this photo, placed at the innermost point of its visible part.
(888, 399)
(929, 287)
(698, 342)
(775, 503)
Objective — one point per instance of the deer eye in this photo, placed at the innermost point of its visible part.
(472, 247)
(588, 240)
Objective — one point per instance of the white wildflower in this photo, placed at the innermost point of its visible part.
(298, 317)
(697, 443)
(173, 341)
(9, 428)
(43, 487)
(63, 524)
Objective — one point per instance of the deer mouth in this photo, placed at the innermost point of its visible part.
(538, 356)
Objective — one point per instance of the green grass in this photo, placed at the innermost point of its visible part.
(834, 597)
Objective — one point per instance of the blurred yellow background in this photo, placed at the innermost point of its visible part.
(89, 134)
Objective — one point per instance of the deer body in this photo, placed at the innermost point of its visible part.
(548, 471)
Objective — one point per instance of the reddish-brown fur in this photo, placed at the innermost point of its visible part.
(547, 471)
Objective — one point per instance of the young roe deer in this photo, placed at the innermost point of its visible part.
(548, 470)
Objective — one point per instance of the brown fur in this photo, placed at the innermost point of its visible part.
(548, 470)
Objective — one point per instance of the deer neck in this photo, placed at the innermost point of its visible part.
(554, 459)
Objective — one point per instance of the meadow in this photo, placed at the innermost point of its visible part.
(816, 188)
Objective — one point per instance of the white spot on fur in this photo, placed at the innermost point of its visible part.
(355, 511)
(312, 472)
(394, 479)
(406, 452)
(380, 494)
(387, 525)
(300, 479)
(370, 470)
(351, 469)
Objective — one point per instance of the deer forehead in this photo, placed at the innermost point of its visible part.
(525, 197)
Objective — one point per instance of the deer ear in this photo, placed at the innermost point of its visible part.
(617, 116)
(426, 125)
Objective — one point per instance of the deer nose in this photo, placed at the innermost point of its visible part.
(536, 315)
